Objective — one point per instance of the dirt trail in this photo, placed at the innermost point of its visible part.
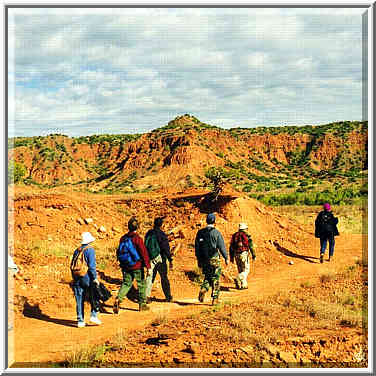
(51, 337)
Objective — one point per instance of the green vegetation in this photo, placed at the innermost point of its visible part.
(16, 172)
(339, 196)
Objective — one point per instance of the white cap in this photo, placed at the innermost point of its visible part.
(87, 238)
(242, 226)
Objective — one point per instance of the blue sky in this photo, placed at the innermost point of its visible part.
(130, 70)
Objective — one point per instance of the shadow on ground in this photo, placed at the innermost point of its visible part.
(35, 312)
(289, 253)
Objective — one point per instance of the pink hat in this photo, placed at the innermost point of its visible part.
(326, 206)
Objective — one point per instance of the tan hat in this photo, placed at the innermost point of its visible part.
(243, 226)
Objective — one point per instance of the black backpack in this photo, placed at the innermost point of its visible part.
(205, 246)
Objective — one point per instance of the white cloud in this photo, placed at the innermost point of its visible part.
(86, 70)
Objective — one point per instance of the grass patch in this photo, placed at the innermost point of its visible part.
(327, 277)
(85, 356)
(159, 320)
(45, 247)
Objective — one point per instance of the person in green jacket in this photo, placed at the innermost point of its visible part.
(240, 247)
(209, 244)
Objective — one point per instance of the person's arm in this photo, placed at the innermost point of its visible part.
(250, 244)
(139, 243)
(164, 244)
(221, 246)
(89, 255)
(232, 251)
(197, 250)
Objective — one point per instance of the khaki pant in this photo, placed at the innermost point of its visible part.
(242, 262)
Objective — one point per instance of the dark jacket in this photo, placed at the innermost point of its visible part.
(216, 244)
(141, 249)
(163, 242)
(232, 246)
(326, 229)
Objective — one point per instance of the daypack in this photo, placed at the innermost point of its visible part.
(152, 245)
(127, 253)
(78, 264)
(205, 246)
(241, 242)
(100, 292)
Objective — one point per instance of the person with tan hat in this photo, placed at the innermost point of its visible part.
(83, 267)
(240, 247)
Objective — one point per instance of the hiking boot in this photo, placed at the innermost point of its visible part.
(95, 320)
(116, 306)
(236, 283)
(81, 324)
(321, 258)
(143, 307)
(215, 301)
(201, 296)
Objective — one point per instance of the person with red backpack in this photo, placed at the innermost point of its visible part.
(326, 229)
(240, 247)
(133, 257)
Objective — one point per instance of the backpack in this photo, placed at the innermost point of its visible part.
(78, 265)
(152, 245)
(240, 243)
(205, 246)
(127, 254)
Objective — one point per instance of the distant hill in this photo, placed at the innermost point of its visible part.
(183, 153)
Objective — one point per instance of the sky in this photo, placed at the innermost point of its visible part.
(85, 71)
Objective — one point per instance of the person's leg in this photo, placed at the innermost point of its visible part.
(205, 285)
(79, 296)
(331, 246)
(238, 281)
(126, 285)
(139, 275)
(215, 276)
(243, 275)
(150, 278)
(323, 242)
(162, 270)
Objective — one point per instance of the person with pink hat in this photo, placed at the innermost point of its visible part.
(326, 229)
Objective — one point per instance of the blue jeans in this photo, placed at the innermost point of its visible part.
(323, 242)
(81, 287)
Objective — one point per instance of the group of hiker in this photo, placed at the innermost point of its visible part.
(153, 252)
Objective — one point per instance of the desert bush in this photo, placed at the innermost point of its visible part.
(327, 277)
(16, 172)
(85, 356)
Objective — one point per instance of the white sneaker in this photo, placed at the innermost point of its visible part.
(95, 320)
(81, 324)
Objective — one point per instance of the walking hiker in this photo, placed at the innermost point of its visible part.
(208, 244)
(326, 229)
(158, 247)
(84, 273)
(240, 247)
(133, 257)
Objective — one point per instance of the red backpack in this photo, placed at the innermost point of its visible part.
(240, 242)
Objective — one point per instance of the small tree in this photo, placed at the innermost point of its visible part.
(16, 172)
